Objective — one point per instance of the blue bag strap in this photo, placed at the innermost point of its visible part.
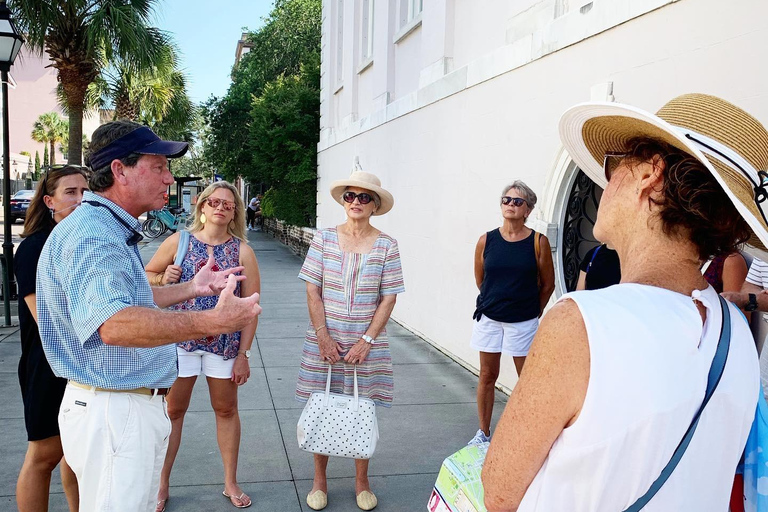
(715, 373)
(181, 249)
(591, 261)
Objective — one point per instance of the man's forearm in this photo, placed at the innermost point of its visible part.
(165, 296)
(148, 327)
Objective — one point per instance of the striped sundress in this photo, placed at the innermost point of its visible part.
(352, 286)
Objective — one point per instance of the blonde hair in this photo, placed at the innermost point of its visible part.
(236, 227)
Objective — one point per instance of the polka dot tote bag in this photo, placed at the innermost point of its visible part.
(338, 425)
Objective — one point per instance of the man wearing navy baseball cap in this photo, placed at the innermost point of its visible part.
(102, 327)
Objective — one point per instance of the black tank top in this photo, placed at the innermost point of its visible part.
(510, 291)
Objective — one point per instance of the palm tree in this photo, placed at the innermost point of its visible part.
(156, 95)
(78, 35)
(50, 128)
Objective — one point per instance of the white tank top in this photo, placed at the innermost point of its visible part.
(649, 360)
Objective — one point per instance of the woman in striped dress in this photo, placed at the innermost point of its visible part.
(353, 276)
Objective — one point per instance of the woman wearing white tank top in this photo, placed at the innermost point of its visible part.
(615, 376)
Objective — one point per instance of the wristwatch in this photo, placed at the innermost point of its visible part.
(751, 304)
(367, 339)
(246, 353)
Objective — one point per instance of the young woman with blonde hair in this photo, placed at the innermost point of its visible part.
(218, 232)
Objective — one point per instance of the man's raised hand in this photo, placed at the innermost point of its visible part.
(210, 282)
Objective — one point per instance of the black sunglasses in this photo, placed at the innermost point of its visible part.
(611, 162)
(516, 201)
(349, 197)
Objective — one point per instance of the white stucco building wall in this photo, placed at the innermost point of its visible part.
(459, 100)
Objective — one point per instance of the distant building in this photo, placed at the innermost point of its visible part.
(450, 100)
(243, 47)
(34, 94)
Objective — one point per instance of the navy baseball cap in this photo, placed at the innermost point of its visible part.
(142, 141)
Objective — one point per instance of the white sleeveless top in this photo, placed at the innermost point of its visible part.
(649, 360)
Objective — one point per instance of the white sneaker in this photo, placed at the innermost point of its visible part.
(250, 228)
(479, 438)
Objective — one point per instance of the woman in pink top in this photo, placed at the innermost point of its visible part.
(614, 376)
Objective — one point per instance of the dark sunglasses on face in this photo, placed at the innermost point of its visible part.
(611, 162)
(227, 205)
(515, 201)
(349, 197)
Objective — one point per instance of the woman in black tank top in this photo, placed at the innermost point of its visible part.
(516, 277)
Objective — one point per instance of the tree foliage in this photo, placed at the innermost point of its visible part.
(154, 95)
(284, 132)
(37, 164)
(80, 37)
(266, 127)
(50, 128)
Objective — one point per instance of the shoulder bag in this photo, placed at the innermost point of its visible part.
(338, 425)
(713, 379)
(181, 249)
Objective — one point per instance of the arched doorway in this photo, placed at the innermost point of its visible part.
(579, 216)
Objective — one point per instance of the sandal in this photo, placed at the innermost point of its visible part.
(164, 504)
(244, 499)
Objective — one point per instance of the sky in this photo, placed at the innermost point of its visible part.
(207, 33)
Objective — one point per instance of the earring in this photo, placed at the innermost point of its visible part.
(202, 218)
(52, 211)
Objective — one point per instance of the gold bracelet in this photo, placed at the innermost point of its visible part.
(158, 279)
(320, 329)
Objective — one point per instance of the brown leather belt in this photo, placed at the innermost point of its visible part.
(138, 391)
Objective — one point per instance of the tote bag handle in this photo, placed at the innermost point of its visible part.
(328, 389)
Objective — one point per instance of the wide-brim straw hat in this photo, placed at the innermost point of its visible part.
(368, 181)
(730, 143)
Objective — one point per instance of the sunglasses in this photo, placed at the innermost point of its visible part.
(215, 203)
(349, 197)
(514, 201)
(611, 162)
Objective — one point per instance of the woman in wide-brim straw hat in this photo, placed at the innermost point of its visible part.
(615, 376)
(353, 276)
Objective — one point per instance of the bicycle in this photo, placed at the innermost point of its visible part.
(160, 221)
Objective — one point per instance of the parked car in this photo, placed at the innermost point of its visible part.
(19, 204)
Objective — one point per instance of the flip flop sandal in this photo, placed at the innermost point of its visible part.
(164, 502)
(240, 498)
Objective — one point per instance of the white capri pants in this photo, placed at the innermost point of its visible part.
(512, 339)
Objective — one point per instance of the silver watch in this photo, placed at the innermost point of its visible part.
(367, 339)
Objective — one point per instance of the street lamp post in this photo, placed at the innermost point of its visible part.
(10, 44)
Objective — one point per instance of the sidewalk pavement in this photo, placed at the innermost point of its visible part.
(434, 414)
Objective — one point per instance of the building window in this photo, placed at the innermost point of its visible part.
(410, 9)
(366, 34)
(579, 219)
(339, 41)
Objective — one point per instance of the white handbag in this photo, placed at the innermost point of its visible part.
(338, 425)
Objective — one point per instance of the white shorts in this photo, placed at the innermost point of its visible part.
(513, 339)
(192, 364)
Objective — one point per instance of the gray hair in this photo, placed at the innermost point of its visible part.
(524, 190)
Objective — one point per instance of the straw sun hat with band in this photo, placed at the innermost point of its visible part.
(732, 144)
(367, 181)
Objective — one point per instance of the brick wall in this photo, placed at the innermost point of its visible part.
(296, 238)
